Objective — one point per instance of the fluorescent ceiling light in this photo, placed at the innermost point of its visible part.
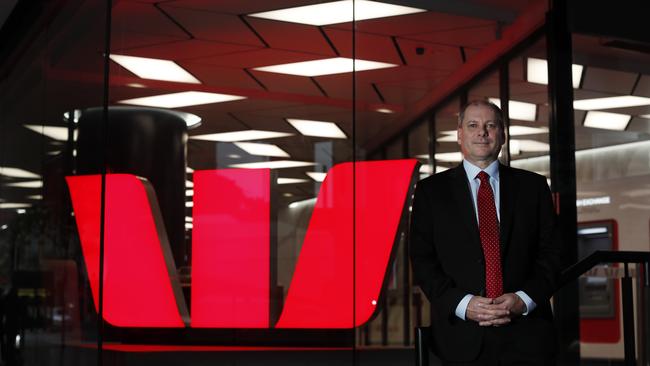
(189, 219)
(26, 184)
(448, 136)
(317, 176)
(426, 169)
(189, 226)
(241, 136)
(384, 110)
(189, 192)
(182, 99)
(515, 148)
(525, 130)
(291, 180)
(262, 149)
(317, 128)
(189, 170)
(530, 145)
(17, 173)
(35, 197)
(449, 157)
(307, 202)
(56, 133)
(287, 194)
(337, 12)
(607, 121)
(537, 72)
(623, 101)
(646, 116)
(519, 110)
(155, 69)
(12, 205)
(189, 184)
(277, 164)
(189, 204)
(592, 230)
(328, 66)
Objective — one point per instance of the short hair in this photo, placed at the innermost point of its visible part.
(498, 113)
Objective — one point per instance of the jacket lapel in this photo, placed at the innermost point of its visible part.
(507, 190)
(463, 199)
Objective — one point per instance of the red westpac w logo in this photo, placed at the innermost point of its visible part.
(342, 262)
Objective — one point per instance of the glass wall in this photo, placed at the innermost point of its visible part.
(48, 314)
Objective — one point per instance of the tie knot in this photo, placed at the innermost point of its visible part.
(483, 176)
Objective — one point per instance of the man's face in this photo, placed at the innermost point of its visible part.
(480, 136)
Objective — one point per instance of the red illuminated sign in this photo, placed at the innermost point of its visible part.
(337, 278)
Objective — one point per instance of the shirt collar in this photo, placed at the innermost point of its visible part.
(472, 170)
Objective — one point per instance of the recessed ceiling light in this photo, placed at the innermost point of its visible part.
(328, 66)
(610, 102)
(182, 99)
(155, 69)
(53, 132)
(384, 110)
(136, 85)
(189, 184)
(26, 184)
(448, 136)
(189, 192)
(189, 170)
(317, 176)
(277, 164)
(537, 72)
(337, 12)
(11, 205)
(529, 145)
(35, 197)
(516, 130)
(287, 194)
(189, 204)
(449, 157)
(607, 121)
(241, 136)
(189, 226)
(189, 219)
(519, 110)
(317, 128)
(291, 180)
(17, 173)
(262, 149)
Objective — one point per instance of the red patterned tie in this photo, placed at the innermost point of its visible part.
(489, 230)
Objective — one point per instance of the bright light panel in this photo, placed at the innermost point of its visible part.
(12, 205)
(592, 230)
(450, 157)
(291, 180)
(189, 184)
(329, 66)
(17, 173)
(623, 101)
(646, 116)
(55, 133)
(515, 148)
(241, 136)
(317, 176)
(277, 164)
(537, 72)
(448, 136)
(182, 99)
(189, 192)
(529, 145)
(336, 12)
(26, 184)
(519, 110)
(607, 121)
(384, 110)
(155, 69)
(525, 130)
(317, 128)
(262, 149)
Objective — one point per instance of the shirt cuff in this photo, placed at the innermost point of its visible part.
(462, 306)
(530, 304)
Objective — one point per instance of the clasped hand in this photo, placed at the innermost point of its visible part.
(495, 312)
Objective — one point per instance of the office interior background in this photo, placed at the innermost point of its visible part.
(267, 151)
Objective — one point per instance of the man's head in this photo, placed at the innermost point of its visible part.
(480, 132)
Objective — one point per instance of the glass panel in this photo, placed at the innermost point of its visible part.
(251, 239)
(612, 171)
(48, 312)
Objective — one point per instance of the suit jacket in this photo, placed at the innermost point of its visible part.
(447, 255)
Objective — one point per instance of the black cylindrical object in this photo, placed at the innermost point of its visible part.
(149, 143)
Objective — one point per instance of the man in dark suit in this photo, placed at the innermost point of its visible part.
(484, 251)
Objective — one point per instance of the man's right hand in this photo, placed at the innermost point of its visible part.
(484, 311)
